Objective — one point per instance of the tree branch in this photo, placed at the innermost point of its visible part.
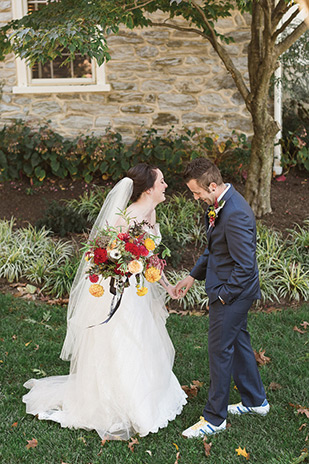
(285, 25)
(290, 39)
(280, 9)
(223, 54)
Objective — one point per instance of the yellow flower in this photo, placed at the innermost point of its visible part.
(153, 274)
(142, 291)
(211, 214)
(96, 290)
(135, 266)
(149, 244)
(111, 246)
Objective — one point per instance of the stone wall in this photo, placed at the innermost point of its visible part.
(159, 78)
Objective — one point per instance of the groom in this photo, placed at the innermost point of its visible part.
(232, 284)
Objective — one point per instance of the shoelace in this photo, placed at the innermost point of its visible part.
(201, 422)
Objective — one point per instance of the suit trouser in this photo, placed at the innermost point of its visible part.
(231, 354)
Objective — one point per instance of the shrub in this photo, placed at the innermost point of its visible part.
(42, 153)
(62, 219)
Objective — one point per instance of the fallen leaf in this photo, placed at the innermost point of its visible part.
(32, 443)
(103, 442)
(305, 324)
(207, 446)
(14, 337)
(149, 452)
(300, 428)
(36, 347)
(177, 457)
(14, 425)
(176, 446)
(191, 391)
(303, 411)
(260, 357)
(242, 452)
(271, 309)
(197, 383)
(134, 441)
(296, 329)
(274, 386)
(28, 343)
(281, 178)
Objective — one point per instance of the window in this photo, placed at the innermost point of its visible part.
(82, 74)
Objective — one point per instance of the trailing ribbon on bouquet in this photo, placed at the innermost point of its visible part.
(116, 287)
(213, 211)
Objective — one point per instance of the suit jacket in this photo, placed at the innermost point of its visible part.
(229, 261)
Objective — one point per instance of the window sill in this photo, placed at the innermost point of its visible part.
(62, 88)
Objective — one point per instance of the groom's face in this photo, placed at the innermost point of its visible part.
(201, 194)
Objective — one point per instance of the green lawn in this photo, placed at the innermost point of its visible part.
(273, 439)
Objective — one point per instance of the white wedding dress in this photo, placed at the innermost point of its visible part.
(121, 381)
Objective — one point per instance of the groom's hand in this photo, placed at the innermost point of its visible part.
(184, 285)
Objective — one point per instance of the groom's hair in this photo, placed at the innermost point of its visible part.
(144, 176)
(204, 172)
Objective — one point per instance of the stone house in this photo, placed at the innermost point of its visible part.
(156, 78)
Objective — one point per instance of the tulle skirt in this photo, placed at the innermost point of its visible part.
(121, 381)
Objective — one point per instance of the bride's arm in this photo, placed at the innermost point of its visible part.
(168, 287)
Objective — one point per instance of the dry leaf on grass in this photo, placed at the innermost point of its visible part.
(302, 426)
(14, 425)
(296, 329)
(273, 386)
(207, 446)
(32, 443)
(303, 411)
(192, 391)
(177, 457)
(260, 357)
(132, 443)
(305, 324)
(300, 409)
(242, 452)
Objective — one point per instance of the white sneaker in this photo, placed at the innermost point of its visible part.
(239, 408)
(202, 428)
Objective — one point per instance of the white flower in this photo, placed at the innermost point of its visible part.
(115, 254)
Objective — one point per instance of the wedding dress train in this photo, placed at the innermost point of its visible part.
(121, 380)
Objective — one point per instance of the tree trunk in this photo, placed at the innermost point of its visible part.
(258, 184)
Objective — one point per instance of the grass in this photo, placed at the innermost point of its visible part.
(275, 438)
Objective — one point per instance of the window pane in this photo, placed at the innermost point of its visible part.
(80, 67)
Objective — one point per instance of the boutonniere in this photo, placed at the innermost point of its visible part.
(213, 211)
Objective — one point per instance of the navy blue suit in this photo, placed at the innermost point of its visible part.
(230, 269)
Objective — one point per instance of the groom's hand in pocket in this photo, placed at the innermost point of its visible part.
(184, 285)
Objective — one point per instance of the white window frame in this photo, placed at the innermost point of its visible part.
(25, 84)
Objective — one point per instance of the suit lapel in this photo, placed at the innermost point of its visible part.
(209, 230)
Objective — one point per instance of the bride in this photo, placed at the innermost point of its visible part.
(121, 381)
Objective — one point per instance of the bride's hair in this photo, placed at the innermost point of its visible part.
(144, 176)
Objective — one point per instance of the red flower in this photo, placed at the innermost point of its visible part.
(124, 237)
(134, 249)
(93, 278)
(143, 250)
(117, 270)
(100, 255)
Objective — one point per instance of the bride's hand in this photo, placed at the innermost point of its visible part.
(171, 290)
(183, 286)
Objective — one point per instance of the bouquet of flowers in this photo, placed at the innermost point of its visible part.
(119, 255)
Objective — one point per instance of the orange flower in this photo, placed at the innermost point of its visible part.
(153, 274)
(141, 291)
(96, 290)
(149, 244)
(135, 266)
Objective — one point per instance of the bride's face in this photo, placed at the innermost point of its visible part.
(159, 187)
